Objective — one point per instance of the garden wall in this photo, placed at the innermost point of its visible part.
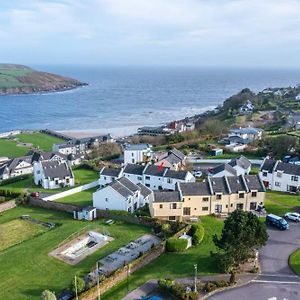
(71, 191)
(53, 205)
(121, 274)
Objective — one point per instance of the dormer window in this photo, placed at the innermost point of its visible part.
(279, 173)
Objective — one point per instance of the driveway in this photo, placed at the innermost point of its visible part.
(276, 281)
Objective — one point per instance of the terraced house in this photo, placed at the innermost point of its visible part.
(214, 195)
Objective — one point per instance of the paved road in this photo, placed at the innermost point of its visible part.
(277, 281)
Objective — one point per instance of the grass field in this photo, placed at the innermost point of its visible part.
(9, 148)
(294, 261)
(174, 265)
(39, 140)
(27, 269)
(84, 176)
(83, 198)
(17, 231)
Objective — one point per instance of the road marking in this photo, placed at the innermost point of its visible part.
(278, 275)
(275, 281)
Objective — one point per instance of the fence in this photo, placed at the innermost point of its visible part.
(71, 191)
(121, 274)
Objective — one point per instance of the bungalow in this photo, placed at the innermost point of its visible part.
(16, 167)
(152, 176)
(215, 195)
(174, 159)
(247, 133)
(137, 153)
(280, 176)
(53, 174)
(122, 194)
(247, 107)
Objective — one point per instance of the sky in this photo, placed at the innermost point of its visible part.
(238, 33)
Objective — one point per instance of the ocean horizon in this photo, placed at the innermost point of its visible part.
(118, 100)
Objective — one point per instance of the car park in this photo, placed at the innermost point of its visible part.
(277, 221)
(293, 216)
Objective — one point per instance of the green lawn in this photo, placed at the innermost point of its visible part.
(39, 140)
(27, 269)
(175, 264)
(84, 176)
(294, 261)
(83, 198)
(281, 203)
(16, 231)
(9, 148)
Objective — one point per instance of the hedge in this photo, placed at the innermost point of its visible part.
(197, 233)
(176, 245)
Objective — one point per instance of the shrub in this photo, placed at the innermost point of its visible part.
(209, 287)
(176, 245)
(197, 233)
(47, 295)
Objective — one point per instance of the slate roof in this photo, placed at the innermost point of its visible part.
(138, 147)
(268, 165)
(114, 172)
(155, 170)
(237, 184)
(220, 185)
(175, 174)
(223, 167)
(172, 159)
(38, 156)
(145, 191)
(134, 169)
(9, 166)
(55, 169)
(177, 153)
(287, 168)
(194, 188)
(254, 183)
(121, 189)
(167, 196)
(240, 161)
(129, 184)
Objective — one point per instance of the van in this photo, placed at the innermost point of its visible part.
(277, 221)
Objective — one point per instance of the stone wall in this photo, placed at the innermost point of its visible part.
(53, 205)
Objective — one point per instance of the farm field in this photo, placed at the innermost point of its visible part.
(32, 270)
(17, 231)
(174, 265)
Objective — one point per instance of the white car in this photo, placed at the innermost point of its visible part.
(197, 173)
(293, 216)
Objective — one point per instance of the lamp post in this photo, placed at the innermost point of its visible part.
(195, 283)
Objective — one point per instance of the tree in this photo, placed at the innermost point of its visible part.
(80, 284)
(241, 235)
(47, 295)
(281, 145)
(212, 127)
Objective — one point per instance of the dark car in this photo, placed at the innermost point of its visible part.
(35, 194)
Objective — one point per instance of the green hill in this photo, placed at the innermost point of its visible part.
(19, 79)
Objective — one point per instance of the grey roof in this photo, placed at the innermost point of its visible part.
(155, 170)
(240, 161)
(41, 155)
(254, 183)
(55, 169)
(167, 196)
(287, 168)
(121, 189)
(9, 166)
(194, 188)
(268, 165)
(137, 146)
(220, 185)
(173, 159)
(177, 153)
(237, 184)
(134, 169)
(246, 130)
(223, 167)
(129, 184)
(145, 191)
(239, 140)
(176, 174)
(114, 172)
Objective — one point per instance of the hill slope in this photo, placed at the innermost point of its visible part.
(19, 79)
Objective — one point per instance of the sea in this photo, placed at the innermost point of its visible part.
(118, 100)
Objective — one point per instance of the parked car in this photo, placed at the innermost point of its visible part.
(35, 194)
(293, 216)
(197, 174)
(277, 221)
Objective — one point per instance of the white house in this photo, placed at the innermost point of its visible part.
(298, 97)
(88, 213)
(122, 194)
(152, 176)
(137, 153)
(16, 167)
(246, 133)
(222, 170)
(53, 174)
(247, 107)
(280, 176)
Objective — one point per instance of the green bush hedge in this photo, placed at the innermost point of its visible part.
(14, 179)
(176, 245)
(197, 233)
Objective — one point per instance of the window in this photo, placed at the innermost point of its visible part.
(147, 177)
(219, 196)
(205, 199)
(104, 177)
(241, 195)
(169, 180)
(106, 199)
(195, 208)
(231, 205)
(277, 183)
(172, 218)
(218, 208)
(132, 160)
(265, 174)
(253, 205)
(240, 206)
(279, 174)
(147, 184)
(205, 208)
(132, 154)
(161, 206)
(56, 181)
(294, 178)
(140, 178)
(173, 206)
(253, 194)
(187, 211)
(38, 172)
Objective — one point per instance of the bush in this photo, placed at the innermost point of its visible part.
(176, 245)
(209, 287)
(197, 233)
